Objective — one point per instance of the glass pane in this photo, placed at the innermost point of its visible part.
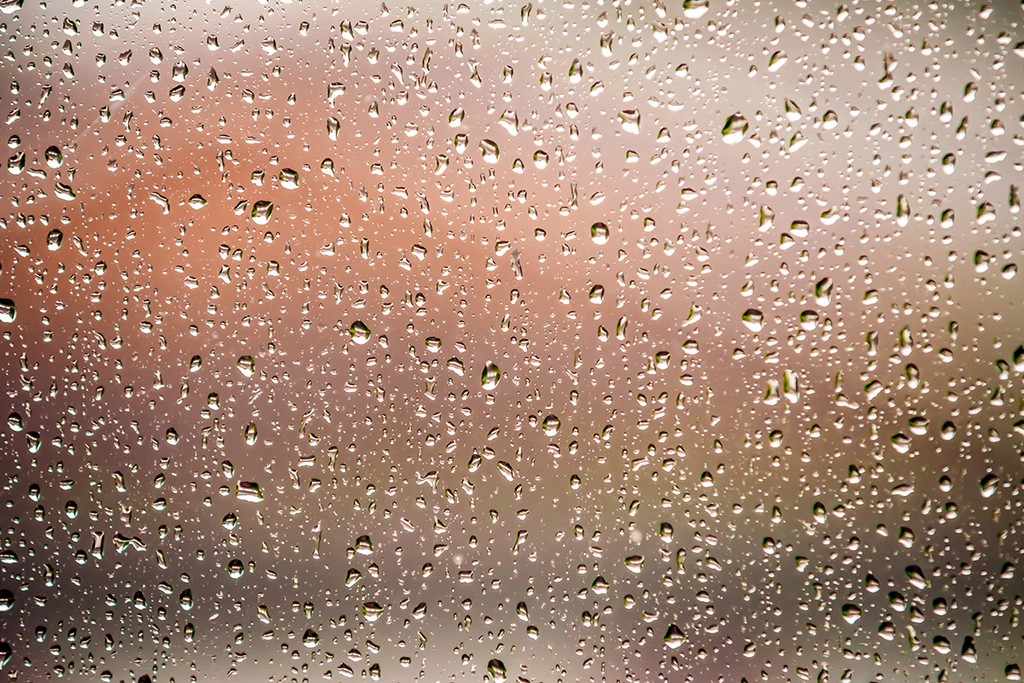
(538, 341)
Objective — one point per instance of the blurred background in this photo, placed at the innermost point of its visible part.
(582, 341)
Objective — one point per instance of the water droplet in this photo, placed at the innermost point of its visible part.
(851, 613)
(64, 191)
(261, 212)
(372, 611)
(629, 119)
(753, 319)
(674, 637)
(490, 376)
(249, 491)
(53, 156)
(735, 129)
(289, 178)
(360, 332)
(310, 638)
(363, 545)
(695, 9)
(246, 365)
(551, 424)
(989, 484)
(489, 150)
(497, 671)
(54, 239)
(8, 311)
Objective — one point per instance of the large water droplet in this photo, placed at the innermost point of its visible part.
(261, 212)
(490, 376)
(599, 233)
(8, 311)
(360, 332)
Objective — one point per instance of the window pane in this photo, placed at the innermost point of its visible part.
(580, 341)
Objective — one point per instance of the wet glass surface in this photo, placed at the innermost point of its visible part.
(533, 342)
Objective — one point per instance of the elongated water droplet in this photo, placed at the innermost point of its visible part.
(551, 424)
(489, 150)
(250, 433)
(496, 668)
(249, 491)
(490, 376)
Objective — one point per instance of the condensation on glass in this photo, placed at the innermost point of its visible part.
(600, 340)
